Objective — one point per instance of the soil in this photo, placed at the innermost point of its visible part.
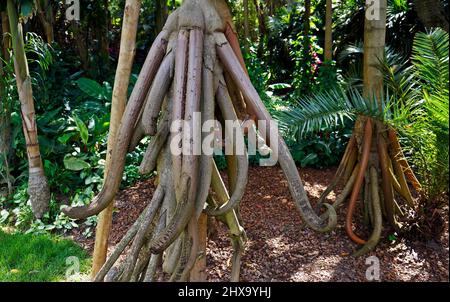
(281, 248)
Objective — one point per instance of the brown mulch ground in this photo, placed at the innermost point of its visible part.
(280, 248)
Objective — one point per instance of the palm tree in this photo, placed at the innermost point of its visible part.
(38, 189)
(415, 105)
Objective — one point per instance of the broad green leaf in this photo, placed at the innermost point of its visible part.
(75, 164)
(84, 133)
(65, 138)
(91, 88)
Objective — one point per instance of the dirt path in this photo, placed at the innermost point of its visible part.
(281, 249)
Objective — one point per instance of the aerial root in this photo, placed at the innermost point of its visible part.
(376, 209)
(254, 104)
(359, 182)
(344, 165)
(226, 107)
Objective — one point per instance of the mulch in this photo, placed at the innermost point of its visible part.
(281, 248)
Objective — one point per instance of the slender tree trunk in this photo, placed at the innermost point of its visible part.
(81, 41)
(101, 32)
(37, 182)
(261, 19)
(162, 12)
(6, 40)
(307, 18)
(123, 72)
(328, 31)
(261, 26)
(246, 25)
(45, 13)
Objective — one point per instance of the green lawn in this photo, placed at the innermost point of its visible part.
(27, 257)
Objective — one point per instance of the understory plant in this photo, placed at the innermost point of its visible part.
(73, 117)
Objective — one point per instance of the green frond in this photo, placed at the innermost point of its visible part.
(430, 58)
(326, 109)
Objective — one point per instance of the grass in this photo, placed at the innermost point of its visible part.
(34, 258)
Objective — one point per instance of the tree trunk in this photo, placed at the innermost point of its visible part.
(246, 25)
(261, 26)
(162, 12)
(431, 13)
(37, 182)
(374, 42)
(45, 13)
(328, 31)
(6, 40)
(123, 72)
(101, 32)
(81, 41)
(306, 18)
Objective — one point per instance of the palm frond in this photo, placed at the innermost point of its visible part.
(430, 58)
(325, 109)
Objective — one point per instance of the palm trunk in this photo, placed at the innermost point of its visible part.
(38, 189)
(328, 31)
(374, 42)
(123, 72)
(45, 13)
